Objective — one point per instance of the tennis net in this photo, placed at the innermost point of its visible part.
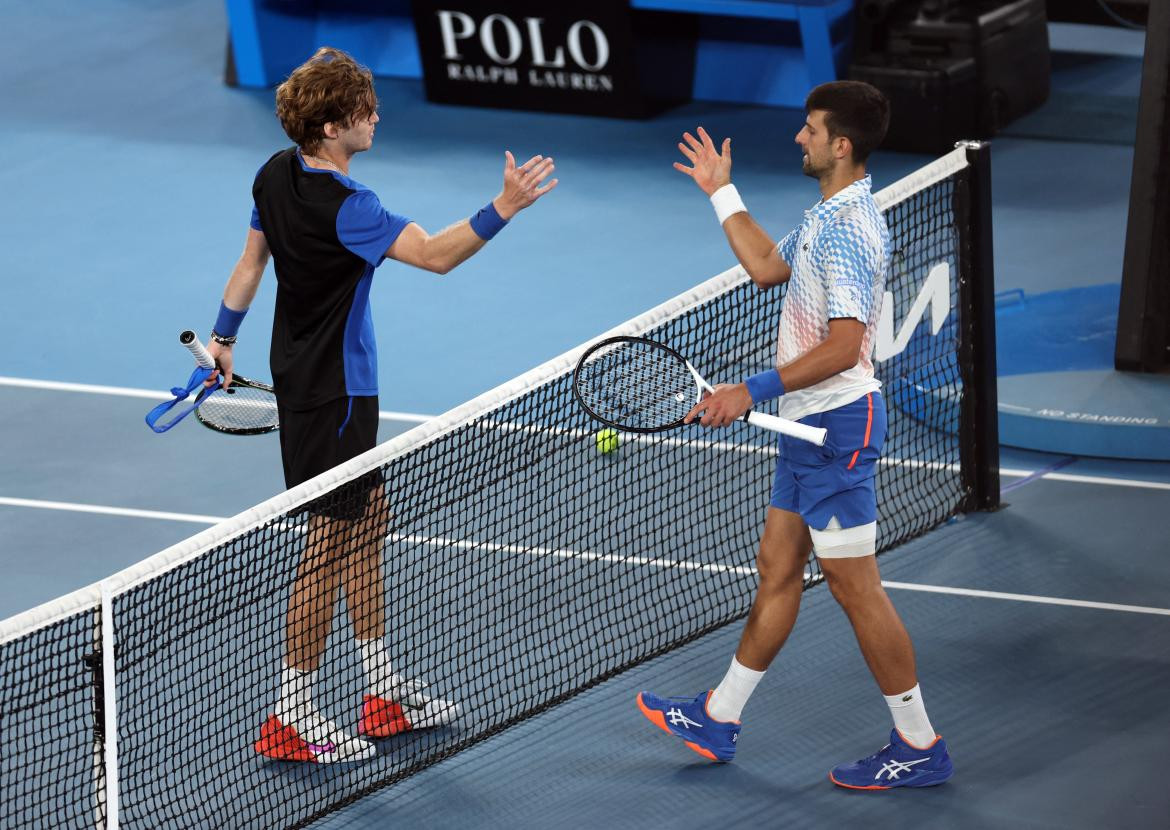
(522, 566)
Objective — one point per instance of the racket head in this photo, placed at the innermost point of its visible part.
(246, 407)
(635, 384)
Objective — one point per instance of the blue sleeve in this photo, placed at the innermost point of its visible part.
(848, 259)
(366, 228)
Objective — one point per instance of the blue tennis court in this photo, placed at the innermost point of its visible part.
(1041, 629)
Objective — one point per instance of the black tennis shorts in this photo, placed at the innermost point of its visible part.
(315, 440)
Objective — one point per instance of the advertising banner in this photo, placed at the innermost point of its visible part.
(587, 58)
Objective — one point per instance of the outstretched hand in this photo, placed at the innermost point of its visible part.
(711, 169)
(523, 185)
(722, 407)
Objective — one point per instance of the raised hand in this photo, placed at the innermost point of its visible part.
(711, 169)
(523, 185)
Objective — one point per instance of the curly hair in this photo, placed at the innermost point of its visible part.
(330, 87)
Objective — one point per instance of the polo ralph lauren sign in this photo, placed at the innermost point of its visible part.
(523, 54)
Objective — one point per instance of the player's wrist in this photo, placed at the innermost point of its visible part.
(490, 219)
(227, 324)
(764, 386)
(504, 206)
(727, 202)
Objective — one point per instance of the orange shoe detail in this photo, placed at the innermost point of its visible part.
(854, 786)
(706, 753)
(654, 716)
(382, 718)
(282, 743)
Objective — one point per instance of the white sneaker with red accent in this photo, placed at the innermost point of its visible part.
(305, 735)
(406, 707)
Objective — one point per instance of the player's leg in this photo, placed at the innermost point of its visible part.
(843, 527)
(393, 703)
(365, 593)
(785, 546)
(298, 731)
(709, 723)
(856, 585)
(915, 755)
(313, 599)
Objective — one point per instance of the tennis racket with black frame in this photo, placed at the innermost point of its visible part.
(640, 385)
(245, 407)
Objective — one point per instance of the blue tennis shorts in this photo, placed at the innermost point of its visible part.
(831, 487)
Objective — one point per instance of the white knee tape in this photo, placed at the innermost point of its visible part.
(836, 542)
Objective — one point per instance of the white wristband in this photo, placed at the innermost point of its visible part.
(726, 202)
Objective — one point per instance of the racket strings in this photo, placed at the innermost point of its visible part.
(240, 408)
(637, 385)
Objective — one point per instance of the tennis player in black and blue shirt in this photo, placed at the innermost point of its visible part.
(326, 234)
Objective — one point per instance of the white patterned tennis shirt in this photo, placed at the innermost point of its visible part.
(839, 256)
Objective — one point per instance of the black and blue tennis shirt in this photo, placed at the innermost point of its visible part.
(327, 234)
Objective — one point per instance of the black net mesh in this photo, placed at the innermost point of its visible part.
(51, 769)
(518, 566)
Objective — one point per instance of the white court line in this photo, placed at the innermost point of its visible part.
(412, 417)
(125, 392)
(1082, 479)
(1076, 603)
(567, 553)
(56, 386)
(111, 511)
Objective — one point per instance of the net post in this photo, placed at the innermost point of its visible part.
(979, 417)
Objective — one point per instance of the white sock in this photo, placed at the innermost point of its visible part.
(376, 662)
(296, 691)
(727, 701)
(910, 718)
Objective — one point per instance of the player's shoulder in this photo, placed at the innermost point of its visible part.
(857, 209)
(361, 199)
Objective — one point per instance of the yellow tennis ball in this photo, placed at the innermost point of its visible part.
(607, 441)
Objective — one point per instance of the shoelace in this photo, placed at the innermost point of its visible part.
(870, 759)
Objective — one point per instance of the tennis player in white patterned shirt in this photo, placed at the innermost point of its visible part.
(823, 498)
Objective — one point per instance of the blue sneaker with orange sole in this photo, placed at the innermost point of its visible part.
(897, 764)
(688, 719)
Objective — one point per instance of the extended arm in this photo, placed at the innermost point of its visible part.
(449, 247)
(753, 247)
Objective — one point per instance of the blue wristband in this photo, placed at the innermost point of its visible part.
(227, 323)
(765, 386)
(487, 222)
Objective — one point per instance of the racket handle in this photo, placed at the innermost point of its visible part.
(814, 435)
(201, 355)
